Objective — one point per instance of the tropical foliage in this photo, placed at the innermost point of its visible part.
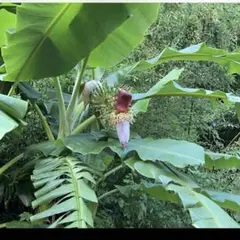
(88, 129)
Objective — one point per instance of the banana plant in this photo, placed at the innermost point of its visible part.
(93, 139)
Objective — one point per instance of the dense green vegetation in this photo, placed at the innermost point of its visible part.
(198, 120)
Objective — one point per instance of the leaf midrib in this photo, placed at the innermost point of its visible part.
(215, 57)
(75, 186)
(45, 35)
(187, 94)
(164, 151)
(208, 209)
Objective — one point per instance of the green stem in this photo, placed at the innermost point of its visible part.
(113, 171)
(107, 194)
(107, 174)
(63, 123)
(10, 163)
(44, 122)
(84, 125)
(76, 90)
(77, 113)
(12, 89)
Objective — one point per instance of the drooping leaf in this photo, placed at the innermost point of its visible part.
(28, 92)
(175, 187)
(160, 172)
(220, 160)
(203, 211)
(123, 39)
(51, 94)
(12, 110)
(171, 76)
(7, 20)
(142, 105)
(210, 215)
(57, 35)
(160, 193)
(198, 52)
(225, 200)
(7, 124)
(178, 153)
(174, 89)
(12, 106)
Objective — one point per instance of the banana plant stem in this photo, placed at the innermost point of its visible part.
(84, 125)
(76, 90)
(107, 194)
(63, 123)
(44, 122)
(11, 163)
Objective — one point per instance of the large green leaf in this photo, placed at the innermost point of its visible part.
(7, 124)
(198, 52)
(58, 35)
(13, 106)
(178, 153)
(210, 215)
(44, 147)
(142, 105)
(204, 212)
(7, 20)
(160, 193)
(12, 110)
(88, 145)
(225, 200)
(168, 87)
(123, 39)
(160, 172)
(64, 181)
(174, 89)
(28, 92)
(220, 160)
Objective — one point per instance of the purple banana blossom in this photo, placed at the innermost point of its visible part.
(123, 132)
(124, 99)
